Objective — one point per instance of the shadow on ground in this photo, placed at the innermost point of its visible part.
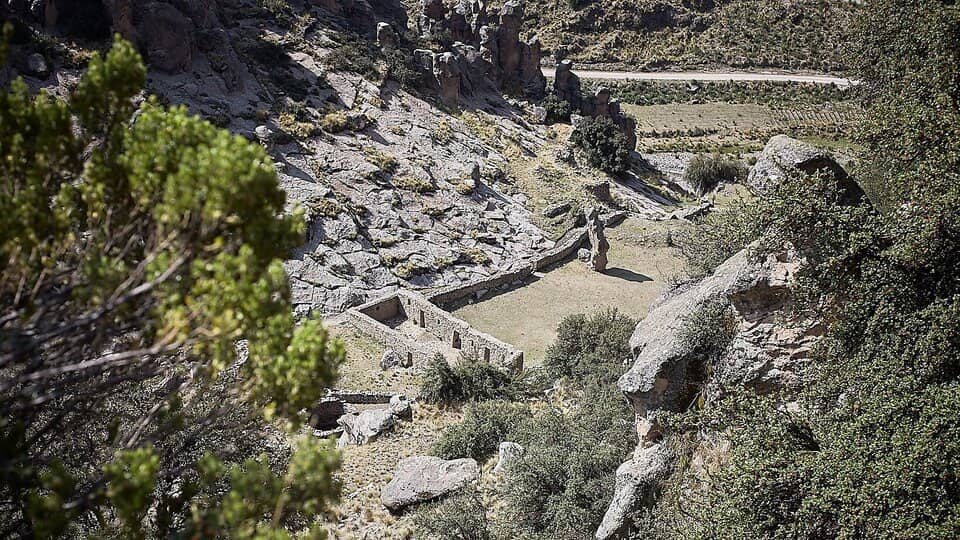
(628, 275)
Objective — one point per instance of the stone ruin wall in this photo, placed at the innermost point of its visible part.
(426, 312)
(371, 317)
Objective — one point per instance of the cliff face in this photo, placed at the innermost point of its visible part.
(767, 352)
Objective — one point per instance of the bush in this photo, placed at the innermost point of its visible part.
(593, 346)
(563, 484)
(558, 110)
(484, 426)
(705, 172)
(706, 244)
(459, 517)
(468, 380)
(413, 183)
(334, 122)
(603, 144)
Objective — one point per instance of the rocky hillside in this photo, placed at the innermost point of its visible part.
(405, 161)
(651, 34)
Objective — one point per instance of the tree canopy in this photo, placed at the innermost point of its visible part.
(148, 349)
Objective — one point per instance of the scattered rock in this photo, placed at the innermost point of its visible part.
(401, 407)
(423, 478)
(361, 428)
(264, 135)
(37, 66)
(583, 254)
(692, 212)
(555, 210)
(390, 359)
(510, 454)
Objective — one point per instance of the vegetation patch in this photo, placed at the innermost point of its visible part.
(413, 183)
(705, 172)
(603, 144)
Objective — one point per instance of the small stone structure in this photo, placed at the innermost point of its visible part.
(386, 319)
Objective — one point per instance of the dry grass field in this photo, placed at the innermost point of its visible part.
(739, 128)
(528, 316)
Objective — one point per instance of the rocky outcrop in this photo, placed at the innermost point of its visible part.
(768, 352)
(566, 84)
(566, 87)
(636, 484)
(662, 377)
(783, 155)
(488, 54)
(363, 16)
(423, 478)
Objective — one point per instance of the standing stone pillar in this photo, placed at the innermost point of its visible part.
(598, 241)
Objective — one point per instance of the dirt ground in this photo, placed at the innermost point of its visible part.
(528, 316)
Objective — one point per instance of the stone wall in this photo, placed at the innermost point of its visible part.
(371, 318)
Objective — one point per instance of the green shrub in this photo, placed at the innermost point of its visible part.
(468, 380)
(484, 426)
(459, 517)
(562, 486)
(603, 144)
(413, 183)
(709, 242)
(558, 110)
(383, 161)
(590, 346)
(706, 172)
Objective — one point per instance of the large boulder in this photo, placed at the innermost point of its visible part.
(636, 484)
(783, 155)
(661, 375)
(423, 478)
(362, 428)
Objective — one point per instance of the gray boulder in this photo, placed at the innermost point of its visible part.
(37, 66)
(661, 371)
(423, 478)
(401, 408)
(783, 155)
(636, 483)
(510, 454)
(364, 427)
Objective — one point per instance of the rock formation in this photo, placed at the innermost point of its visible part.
(423, 478)
(566, 87)
(767, 353)
(487, 54)
(598, 241)
(566, 84)
(783, 155)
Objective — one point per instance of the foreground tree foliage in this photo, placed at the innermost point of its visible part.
(138, 248)
(872, 449)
